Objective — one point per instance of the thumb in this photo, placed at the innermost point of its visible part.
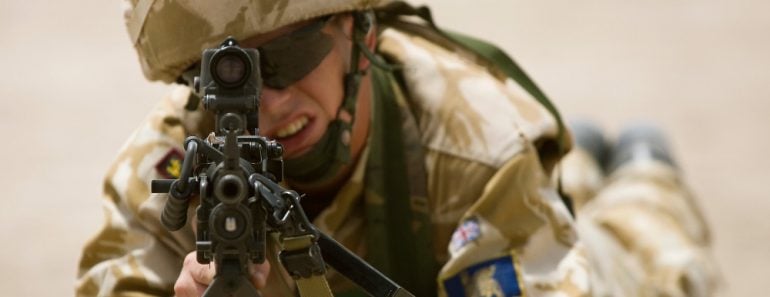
(258, 274)
(200, 273)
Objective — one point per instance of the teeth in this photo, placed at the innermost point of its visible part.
(292, 128)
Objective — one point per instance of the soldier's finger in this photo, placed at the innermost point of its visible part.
(201, 274)
(185, 286)
(258, 274)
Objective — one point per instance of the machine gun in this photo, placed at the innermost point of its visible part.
(236, 172)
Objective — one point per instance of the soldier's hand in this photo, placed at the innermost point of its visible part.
(196, 277)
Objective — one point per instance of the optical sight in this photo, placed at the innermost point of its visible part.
(231, 86)
(230, 67)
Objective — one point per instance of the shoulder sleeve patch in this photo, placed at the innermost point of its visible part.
(170, 166)
(496, 277)
(468, 231)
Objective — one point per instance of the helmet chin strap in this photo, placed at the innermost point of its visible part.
(326, 158)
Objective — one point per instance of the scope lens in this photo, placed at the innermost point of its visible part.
(231, 69)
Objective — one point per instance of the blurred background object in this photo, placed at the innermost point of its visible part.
(72, 92)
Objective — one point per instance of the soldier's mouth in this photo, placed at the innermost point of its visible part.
(292, 128)
(298, 136)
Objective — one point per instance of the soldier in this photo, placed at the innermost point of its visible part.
(439, 173)
(640, 225)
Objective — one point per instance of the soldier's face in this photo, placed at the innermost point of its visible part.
(298, 115)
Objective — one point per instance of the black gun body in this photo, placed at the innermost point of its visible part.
(235, 172)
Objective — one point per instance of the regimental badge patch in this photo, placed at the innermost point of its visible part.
(468, 231)
(171, 165)
(493, 278)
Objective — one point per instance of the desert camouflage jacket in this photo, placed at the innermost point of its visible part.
(498, 224)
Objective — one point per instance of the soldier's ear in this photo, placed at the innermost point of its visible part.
(371, 35)
(370, 40)
(345, 24)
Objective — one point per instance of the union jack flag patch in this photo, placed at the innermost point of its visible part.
(468, 231)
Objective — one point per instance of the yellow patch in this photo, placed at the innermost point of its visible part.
(170, 166)
(174, 167)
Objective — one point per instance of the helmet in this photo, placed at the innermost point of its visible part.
(169, 35)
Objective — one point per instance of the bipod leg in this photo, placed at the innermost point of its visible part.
(230, 281)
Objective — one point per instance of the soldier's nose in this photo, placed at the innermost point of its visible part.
(272, 98)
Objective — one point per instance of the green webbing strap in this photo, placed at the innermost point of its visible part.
(398, 234)
(354, 293)
(492, 54)
(498, 58)
(314, 285)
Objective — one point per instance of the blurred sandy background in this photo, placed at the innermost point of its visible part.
(72, 91)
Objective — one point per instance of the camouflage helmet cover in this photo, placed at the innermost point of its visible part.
(169, 35)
